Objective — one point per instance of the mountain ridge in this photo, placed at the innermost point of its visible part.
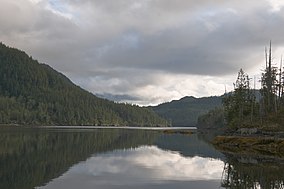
(33, 93)
(185, 111)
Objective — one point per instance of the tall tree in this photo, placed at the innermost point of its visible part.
(238, 104)
(269, 84)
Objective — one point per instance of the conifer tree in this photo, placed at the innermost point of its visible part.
(269, 85)
(238, 104)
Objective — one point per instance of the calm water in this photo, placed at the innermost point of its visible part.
(120, 158)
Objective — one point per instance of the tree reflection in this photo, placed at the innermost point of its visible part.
(33, 157)
(241, 172)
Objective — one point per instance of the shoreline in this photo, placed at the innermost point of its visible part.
(119, 127)
(102, 127)
(262, 145)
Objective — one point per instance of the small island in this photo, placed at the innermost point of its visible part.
(251, 120)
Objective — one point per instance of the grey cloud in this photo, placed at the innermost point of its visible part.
(118, 47)
(120, 81)
(233, 43)
(119, 98)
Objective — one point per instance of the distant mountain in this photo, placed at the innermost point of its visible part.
(117, 98)
(35, 94)
(215, 118)
(185, 112)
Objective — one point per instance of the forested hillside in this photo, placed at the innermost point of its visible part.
(34, 94)
(185, 112)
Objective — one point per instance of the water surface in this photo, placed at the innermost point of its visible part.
(51, 158)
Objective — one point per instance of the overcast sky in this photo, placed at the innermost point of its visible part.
(146, 51)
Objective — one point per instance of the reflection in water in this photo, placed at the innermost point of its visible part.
(113, 158)
(188, 146)
(252, 172)
(144, 166)
(32, 157)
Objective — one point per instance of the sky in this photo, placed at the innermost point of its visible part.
(147, 52)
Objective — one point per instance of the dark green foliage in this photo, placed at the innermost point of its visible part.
(35, 94)
(269, 86)
(214, 119)
(271, 104)
(243, 108)
(240, 106)
(185, 112)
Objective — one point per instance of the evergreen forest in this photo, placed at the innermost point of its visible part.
(32, 93)
(247, 107)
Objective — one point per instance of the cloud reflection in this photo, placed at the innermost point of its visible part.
(143, 165)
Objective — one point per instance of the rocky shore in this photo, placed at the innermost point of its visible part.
(255, 144)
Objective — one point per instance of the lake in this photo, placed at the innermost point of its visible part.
(59, 158)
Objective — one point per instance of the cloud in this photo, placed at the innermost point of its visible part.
(142, 167)
(140, 48)
(118, 98)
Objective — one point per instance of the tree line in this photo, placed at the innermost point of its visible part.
(242, 108)
(35, 94)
